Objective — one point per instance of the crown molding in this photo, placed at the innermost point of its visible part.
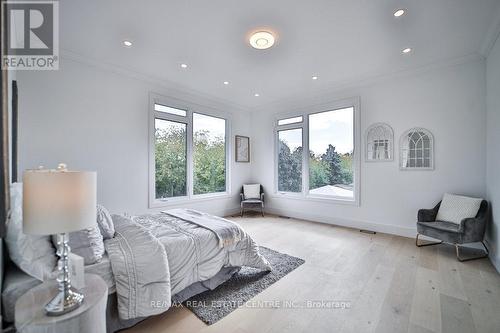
(174, 89)
(183, 92)
(491, 36)
(367, 80)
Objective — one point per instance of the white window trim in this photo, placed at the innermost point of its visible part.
(304, 125)
(188, 120)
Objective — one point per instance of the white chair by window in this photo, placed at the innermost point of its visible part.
(252, 196)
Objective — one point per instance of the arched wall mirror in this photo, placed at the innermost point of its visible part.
(379, 143)
(416, 150)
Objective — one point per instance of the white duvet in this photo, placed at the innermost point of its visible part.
(155, 256)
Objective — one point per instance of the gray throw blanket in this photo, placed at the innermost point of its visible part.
(227, 232)
(143, 288)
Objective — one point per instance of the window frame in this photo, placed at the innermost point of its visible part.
(190, 109)
(305, 112)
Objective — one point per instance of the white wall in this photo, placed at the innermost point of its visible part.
(493, 150)
(97, 120)
(94, 119)
(450, 102)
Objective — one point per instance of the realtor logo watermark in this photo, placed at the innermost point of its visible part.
(32, 35)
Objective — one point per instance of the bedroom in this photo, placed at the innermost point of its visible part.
(171, 107)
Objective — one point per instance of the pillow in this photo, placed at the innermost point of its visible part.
(455, 208)
(86, 243)
(251, 191)
(105, 223)
(33, 254)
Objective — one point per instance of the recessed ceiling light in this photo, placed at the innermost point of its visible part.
(256, 95)
(226, 83)
(399, 12)
(407, 50)
(127, 43)
(262, 40)
(314, 78)
(184, 65)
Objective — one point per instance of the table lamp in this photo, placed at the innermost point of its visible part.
(58, 202)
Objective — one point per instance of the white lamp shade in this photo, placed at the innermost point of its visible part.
(58, 201)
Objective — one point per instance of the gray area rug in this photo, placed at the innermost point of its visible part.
(213, 305)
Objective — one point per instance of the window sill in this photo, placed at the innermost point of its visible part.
(315, 198)
(186, 200)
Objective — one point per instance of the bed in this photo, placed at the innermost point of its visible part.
(155, 260)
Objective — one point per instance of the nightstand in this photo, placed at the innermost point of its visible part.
(90, 317)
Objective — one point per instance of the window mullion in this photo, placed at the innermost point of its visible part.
(189, 153)
(305, 156)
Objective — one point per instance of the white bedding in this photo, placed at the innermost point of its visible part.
(193, 251)
(155, 256)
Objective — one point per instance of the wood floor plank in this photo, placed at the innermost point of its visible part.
(427, 257)
(396, 310)
(366, 309)
(426, 309)
(450, 281)
(484, 302)
(414, 328)
(456, 316)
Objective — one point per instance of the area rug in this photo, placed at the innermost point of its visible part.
(213, 305)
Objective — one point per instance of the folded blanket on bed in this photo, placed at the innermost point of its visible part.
(226, 231)
(140, 267)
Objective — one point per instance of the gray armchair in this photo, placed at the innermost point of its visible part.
(252, 203)
(470, 230)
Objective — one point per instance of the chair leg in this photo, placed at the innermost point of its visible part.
(262, 210)
(486, 253)
(425, 244)
(241, 211)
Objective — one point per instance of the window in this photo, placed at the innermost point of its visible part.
(170, 159)
(317, 156)
(189, 154)
(167, 109)
(209, 155)
(292, 120)
(417, 149)
(331, 148)
(290, 160)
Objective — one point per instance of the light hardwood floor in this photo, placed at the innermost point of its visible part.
(392, 286)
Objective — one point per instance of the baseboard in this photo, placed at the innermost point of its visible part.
(495, 260)
(494, 255)
(229, 212)
(355, 224)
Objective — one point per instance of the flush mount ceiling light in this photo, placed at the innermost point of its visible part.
(127, 43)
(256, 95)
(226, 83)
(262, 40)
(399, 12)
(407, 50)
(314, 78)
(184, 66)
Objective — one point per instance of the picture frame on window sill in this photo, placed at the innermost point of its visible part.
(242, 149)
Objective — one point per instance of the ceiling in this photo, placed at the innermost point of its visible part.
(338, 41)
